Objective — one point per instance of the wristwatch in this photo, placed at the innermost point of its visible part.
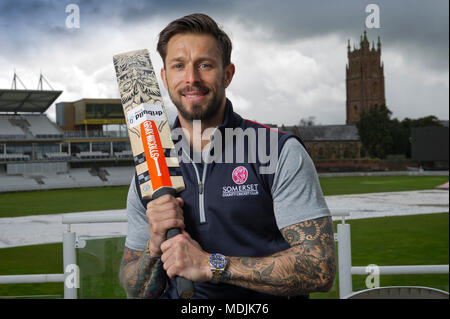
(218, 263)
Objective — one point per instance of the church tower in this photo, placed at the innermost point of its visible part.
(365, 78)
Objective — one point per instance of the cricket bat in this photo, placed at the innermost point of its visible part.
(149, 130)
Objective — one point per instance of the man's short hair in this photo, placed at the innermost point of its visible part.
(195, 23)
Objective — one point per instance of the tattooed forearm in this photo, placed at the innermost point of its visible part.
(308, 265)
(142, 275)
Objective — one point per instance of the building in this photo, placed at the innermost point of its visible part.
(329, 142)
(364, 89)
(89, 115)
(364, 79)
(89, 148)
(93, 125)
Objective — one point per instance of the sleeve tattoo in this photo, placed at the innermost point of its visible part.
(309, 265)
(142, 275)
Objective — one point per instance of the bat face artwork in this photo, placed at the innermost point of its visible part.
(195, 77)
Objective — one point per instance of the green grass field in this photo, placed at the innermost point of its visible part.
(91, 199)
(405, 240)
(398, 241)
(62, 201)
(372, 184)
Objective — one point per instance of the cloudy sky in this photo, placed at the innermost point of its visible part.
(290, 56)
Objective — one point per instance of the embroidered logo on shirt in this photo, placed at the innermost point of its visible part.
(241, 190)
(240, 175)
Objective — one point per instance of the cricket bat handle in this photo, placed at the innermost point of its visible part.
(185, 287)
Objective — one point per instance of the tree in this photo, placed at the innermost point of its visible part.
(426, 121)
(374, 129)
(381, 136)
(310, 121)
(400, 136)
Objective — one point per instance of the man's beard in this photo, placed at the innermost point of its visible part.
(197, 112)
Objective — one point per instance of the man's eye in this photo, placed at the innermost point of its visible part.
(178, 66)
(205, 66)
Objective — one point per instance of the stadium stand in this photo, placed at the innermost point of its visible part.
(36, 168)
(9, 131)
(123, 154)
(16, 183)
(14, 157)
(27, 126)
(83, 178)
(58, 156)
(118, 176)
(74, 178)
(37, 154)
(41, 127)
(58, 181)
(92, 155)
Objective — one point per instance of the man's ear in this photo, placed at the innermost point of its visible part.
(163, 77)
(229, 73)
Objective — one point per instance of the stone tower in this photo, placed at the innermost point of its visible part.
(365, 78)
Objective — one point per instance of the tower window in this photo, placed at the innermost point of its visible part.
(355, 90)
(375, 89)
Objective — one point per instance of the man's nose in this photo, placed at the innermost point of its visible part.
(192, 76)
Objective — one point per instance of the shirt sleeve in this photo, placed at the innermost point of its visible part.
(297, 195)
(137, 234)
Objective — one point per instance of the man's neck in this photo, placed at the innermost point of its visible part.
(200, 131)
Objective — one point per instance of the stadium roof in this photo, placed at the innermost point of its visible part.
(27, 100)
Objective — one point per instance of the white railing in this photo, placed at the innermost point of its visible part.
(31, 279)
(71, 242)
(346, 270)
(70, 275)
(342, 236)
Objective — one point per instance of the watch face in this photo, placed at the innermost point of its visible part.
(218, 260)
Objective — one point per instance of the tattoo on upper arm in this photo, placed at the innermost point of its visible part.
(309, 232)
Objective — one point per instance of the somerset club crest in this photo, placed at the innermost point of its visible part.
(240, 175)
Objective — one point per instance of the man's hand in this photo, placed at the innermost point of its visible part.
(163, 214)
(183, 256)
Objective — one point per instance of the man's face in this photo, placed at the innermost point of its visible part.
(195, 77)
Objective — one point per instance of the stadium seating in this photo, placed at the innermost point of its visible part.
(123, 154)
(12, 183)
(90, 155)
(83, 178)
(74, 178)
(27, 126)
(14, 157)
(118, 176)
(58, 156)
(58, 181)
(41, 127)
(9, 131)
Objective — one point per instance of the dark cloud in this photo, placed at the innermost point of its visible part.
(417, 27)
(408, 22)
(33, 32)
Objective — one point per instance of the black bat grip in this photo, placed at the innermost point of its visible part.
(185, 287)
